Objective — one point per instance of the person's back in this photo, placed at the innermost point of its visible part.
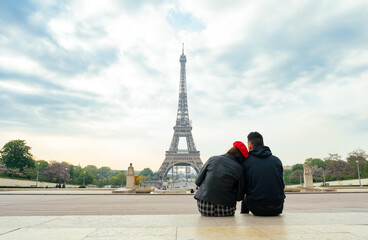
(263, 179)
(220, 182)
(222, 178)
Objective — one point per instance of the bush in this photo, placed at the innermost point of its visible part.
(81, 186)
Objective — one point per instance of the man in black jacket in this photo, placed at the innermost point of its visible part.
(263, 180)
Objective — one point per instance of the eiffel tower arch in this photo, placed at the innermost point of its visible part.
(188, 157)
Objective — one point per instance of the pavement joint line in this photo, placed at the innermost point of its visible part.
(10, 231)
(44, 222)
(90, 233)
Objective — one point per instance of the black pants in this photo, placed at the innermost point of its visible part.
(262, 209)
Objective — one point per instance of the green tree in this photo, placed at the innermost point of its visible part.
(118, 180)
(105, 172)
(85, 177)
(297, 166)
(147, 172)
(296, 176)
(92, 169)
(102, 182)
(89, 178)
(287, 173)
(354, 158)
(77, 172)
(319, 163)
(27, 173)
(40, 167)
(15, 154)
(71, 172)
(156, 176)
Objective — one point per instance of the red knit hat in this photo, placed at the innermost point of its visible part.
(242, 148)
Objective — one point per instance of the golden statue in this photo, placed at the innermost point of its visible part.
(137, 179)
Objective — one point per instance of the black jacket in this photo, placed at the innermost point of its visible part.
(263, 177)
(220, 181)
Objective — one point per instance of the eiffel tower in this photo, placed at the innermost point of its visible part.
(181, 157)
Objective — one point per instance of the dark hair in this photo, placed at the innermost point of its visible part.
(256, 139)
(237, 154)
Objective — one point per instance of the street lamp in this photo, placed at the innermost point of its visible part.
(66, 170)
(324, 180)
(38, 168)
(84, 178)
(172, 178)
(360, 183)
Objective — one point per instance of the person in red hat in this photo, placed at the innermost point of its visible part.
(220, 182)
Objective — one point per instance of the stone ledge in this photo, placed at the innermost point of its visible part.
(287, 226)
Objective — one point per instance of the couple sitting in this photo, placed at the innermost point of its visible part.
(255, 177)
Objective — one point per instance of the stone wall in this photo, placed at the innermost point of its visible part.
(342, 182)
(8, 182)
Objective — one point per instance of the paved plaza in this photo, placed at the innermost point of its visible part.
(101, 216)
(88, 204)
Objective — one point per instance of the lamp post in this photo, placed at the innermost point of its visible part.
(172, 178)
(66, 170)
(360, 183)
(38, 168)
(84, 178)
(324, 180)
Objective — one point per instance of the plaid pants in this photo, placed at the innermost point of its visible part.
(214, 210)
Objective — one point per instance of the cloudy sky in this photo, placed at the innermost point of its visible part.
(96, 82)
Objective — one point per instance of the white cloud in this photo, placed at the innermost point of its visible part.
(112, 68)
(21, 64)
(19, 87)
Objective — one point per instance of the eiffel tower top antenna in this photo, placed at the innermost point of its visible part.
(182, 114)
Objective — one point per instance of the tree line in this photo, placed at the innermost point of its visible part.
(331, 168)
(16, 161)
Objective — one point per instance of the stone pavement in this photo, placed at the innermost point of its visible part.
(83, 215)
(145, 204)
(287, 226)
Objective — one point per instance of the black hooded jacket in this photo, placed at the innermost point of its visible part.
(263, 177)
(220, 181)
